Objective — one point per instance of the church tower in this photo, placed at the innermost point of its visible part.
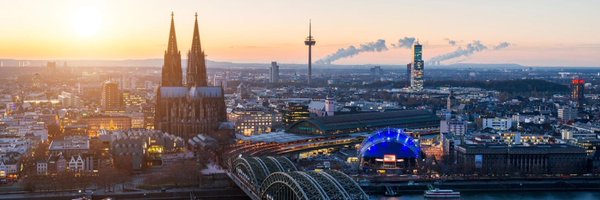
(193, 108)
(196, 70)
(449, 101)
(171, 70)
(329, 106)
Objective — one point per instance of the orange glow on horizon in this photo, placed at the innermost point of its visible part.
(136, 29)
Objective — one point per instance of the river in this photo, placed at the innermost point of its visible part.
(550, 195)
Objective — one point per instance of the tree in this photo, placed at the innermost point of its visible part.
(35, 154)
(124, 163)
(184, 173)
(109, 177)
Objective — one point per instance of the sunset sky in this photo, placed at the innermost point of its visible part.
(556, 33)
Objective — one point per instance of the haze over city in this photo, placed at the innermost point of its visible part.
(538, 33)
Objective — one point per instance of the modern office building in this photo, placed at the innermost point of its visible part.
(274, 72)
(577, 91)
(252, 122)
(454, 126)
(111, 97)
(69, 100)
(495, 123)
(567, 114)
(376, 71)
(417, 68)
(51, 67)
(133, 99)
(295, 112)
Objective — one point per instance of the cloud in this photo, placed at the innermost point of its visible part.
(502, 45)
(405, 42)
(451, 42)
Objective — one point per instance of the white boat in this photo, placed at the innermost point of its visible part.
(437, 193)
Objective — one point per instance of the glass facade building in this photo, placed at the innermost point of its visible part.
(416, 78)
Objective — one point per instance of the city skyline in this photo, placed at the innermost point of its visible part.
(235, 100)
(535, 35)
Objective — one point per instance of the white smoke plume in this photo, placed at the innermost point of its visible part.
(407, 42)
(470, 49)
(351, 51)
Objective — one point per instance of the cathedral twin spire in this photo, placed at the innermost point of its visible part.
(196, 69)
(172, 48)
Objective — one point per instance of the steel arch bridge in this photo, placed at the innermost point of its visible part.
(274, 178)
(310, 185)
(255, 169)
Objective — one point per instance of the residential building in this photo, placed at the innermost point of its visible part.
(496, 123)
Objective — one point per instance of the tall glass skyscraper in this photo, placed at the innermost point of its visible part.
(416, 78)
(577, 91)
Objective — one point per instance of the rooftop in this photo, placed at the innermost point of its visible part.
(73, 143)
(519, 149)
(194, 92)
(410, 119)
(278, 137)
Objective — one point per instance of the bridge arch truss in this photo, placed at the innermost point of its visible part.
(255, 169)
(310, 185)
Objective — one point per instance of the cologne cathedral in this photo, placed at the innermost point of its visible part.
(192, 107)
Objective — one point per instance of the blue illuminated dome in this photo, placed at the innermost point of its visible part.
(389, 141)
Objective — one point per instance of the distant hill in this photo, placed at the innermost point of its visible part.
(479, 65)
(157, 62)
(97, 63)
(508, 86)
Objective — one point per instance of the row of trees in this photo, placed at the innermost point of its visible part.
(181, 173)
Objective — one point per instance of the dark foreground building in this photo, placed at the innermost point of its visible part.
(361, 122)
(186, 110)
(501, 159)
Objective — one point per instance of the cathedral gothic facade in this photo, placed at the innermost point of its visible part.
(188, 108)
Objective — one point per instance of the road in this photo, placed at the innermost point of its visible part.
(221, 193)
